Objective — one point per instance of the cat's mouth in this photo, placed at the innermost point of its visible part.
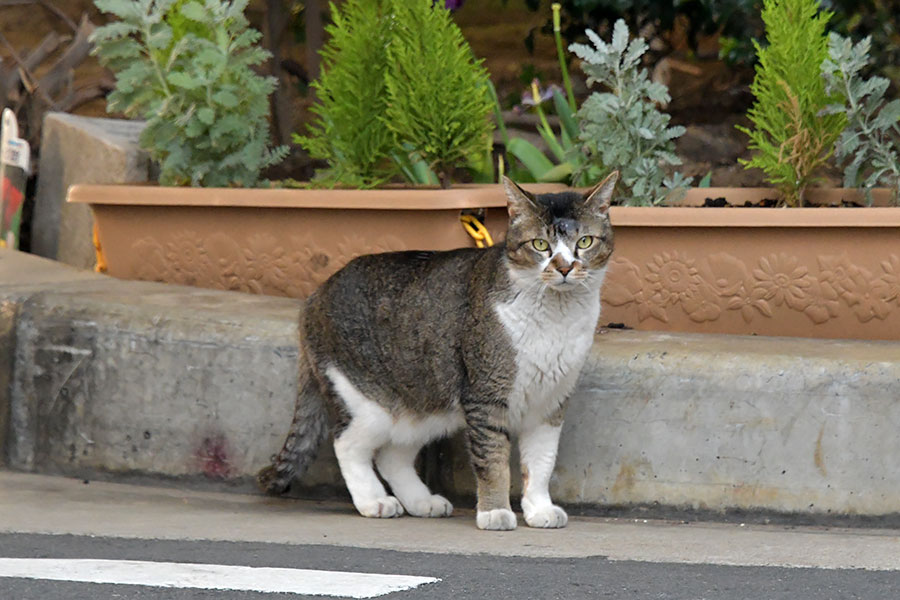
(563, 284)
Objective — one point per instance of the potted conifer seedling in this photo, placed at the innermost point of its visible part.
(416, 109)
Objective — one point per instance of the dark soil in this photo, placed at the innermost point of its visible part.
(721, 202)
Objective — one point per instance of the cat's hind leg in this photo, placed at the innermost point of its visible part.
(396, 463)
(355, 447)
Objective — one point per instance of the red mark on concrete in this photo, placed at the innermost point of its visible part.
(213, 456)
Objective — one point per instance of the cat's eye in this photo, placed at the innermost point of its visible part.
(540, 245)
(585, 241)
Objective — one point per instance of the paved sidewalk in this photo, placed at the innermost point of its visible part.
(43, 504)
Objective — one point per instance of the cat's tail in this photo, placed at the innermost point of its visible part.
(309, 428)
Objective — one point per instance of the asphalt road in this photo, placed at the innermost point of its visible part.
(461, 576)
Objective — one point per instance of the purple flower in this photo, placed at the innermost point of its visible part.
(536, 95)
(451, 4)
(544, 95)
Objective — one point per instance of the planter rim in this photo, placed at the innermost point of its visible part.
(683, 216)
(456, 198)
(476, 196)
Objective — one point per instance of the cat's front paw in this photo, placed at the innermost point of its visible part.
(381, 508)
(548, 517)
(433, 506)
(499, 519)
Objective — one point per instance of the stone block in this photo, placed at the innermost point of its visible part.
(80, 150)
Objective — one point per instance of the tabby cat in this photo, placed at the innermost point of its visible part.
(409, 347)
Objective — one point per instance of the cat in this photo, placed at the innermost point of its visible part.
(408, 347)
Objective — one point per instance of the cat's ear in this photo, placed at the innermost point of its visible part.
(517, 199)
(598, 199)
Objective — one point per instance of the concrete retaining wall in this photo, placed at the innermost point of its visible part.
(719, 422)
(156, 380)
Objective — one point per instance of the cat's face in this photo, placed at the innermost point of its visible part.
(560, 241)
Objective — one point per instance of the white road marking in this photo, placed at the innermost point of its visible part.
(211, 577)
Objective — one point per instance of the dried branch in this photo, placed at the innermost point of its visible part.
(47, 5)
(49, 45)
(23, 72)
(31, 96)
(62, 16)
(78, 50)
(85, 92)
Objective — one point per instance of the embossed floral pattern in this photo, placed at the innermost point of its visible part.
(261, 263)
(782, 280)
(824, 302)
(704, 288)
(673, 278)
(891, 279)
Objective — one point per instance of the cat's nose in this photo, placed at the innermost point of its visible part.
(564, 270)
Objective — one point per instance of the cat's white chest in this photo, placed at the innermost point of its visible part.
(551, 340)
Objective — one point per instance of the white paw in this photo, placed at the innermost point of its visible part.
(550, 517)
(381, 508)
(432, 506)
(499, 519)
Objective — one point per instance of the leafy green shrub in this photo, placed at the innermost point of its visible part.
(622, 128)
(349, 131)
(790, 138)
(185, 67)
(400, 92)
(868, 146)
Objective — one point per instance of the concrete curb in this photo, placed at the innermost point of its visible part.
(118, 378)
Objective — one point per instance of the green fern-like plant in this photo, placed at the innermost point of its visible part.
(621, 128)
(349, 131)
(790, 137)
(439, 101)
(186, 67)
(399, 93)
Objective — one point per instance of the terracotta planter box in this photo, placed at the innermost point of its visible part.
(806, 272)
(810, 272)
(278, 242)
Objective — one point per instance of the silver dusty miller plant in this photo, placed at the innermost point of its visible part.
(186, 67)
(621, 128)
(868, 146)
